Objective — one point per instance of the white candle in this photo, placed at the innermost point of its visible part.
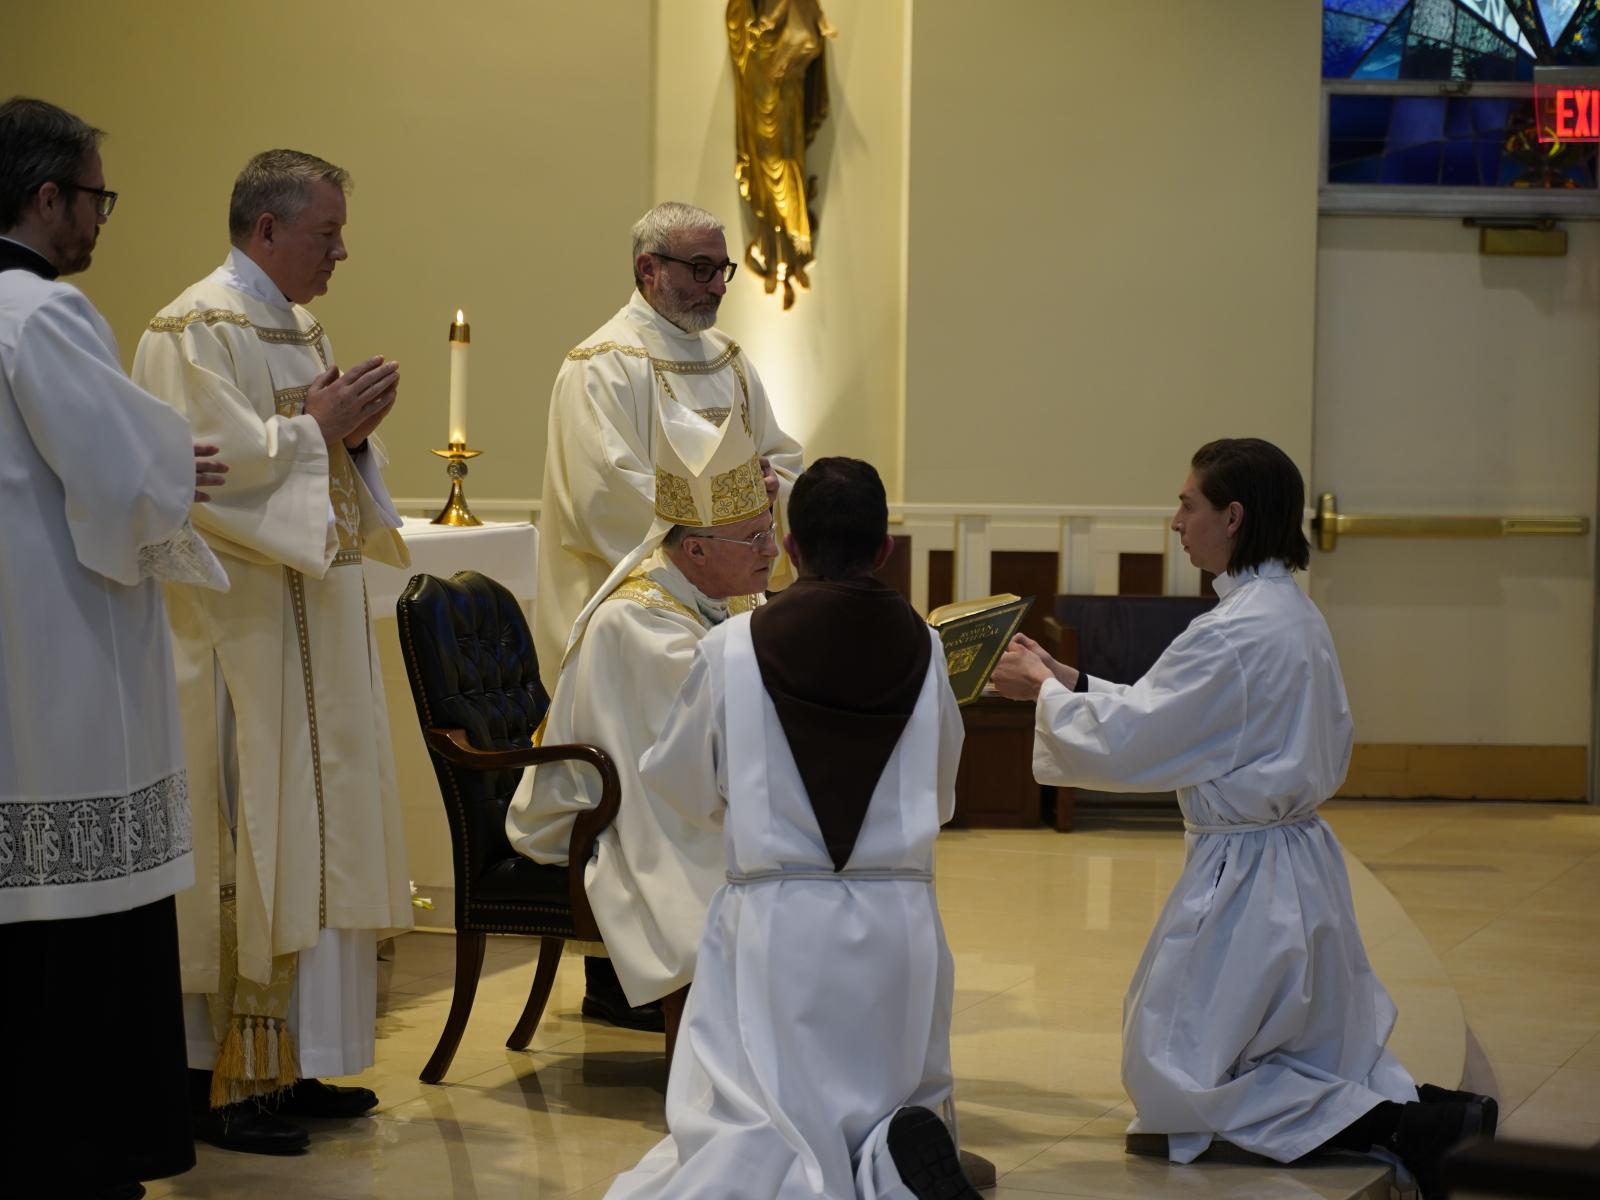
(460, 339)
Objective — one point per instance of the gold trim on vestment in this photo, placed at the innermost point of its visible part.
(216, 316)
(640, 589)
(715, 416)
(744, 387)
(698, 368)
(742, 604)
(586, 352)
(290, 402)
(297, 595)
(346, 558)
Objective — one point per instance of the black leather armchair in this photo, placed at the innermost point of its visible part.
(475, 679)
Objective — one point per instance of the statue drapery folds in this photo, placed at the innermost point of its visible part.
(780, 101)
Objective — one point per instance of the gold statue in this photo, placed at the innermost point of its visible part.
(780, 101)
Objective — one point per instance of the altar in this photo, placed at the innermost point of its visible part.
(506, 552)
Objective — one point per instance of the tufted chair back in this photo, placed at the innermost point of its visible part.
(472, 666)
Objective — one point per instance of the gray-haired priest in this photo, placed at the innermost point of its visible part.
(96, 482)
(599, 473)
(299, 850)
(709, 552)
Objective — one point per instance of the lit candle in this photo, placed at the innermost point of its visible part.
(460, 339)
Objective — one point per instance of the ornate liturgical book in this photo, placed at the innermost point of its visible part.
(975, 633)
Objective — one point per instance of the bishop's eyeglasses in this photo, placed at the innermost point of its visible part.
(703, 271)
(767, 537)
(104, 201)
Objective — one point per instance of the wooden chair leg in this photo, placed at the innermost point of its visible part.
(544, 978)
(469, 964)
(672, 1012)
(1066, 803)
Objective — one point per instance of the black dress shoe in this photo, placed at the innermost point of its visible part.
(615, 1011)
(926, 1157)
(1430, 1094)
(250, 1130)
(1430, 1131)
(313, 1098)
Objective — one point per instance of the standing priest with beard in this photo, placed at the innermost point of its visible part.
(819, 736)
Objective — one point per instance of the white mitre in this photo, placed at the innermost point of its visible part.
(706, 475)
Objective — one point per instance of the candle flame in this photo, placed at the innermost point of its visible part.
(460, 318)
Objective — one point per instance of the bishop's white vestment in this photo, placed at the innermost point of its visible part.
(599, 473)
(653, 873)
(1254, 1014)
(296, 810)
(821, 1001)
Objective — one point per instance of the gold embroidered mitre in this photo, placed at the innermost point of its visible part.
(706, 473)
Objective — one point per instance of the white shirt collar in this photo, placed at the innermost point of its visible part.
(1272, 569)
(243, 274)
(641, 311)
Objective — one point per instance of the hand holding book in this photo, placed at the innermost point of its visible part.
(1025, 667)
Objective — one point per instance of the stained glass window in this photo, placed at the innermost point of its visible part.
(1466, 40)
(1434, 94)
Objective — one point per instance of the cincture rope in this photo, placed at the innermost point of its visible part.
(1249, 826)
(864, 874)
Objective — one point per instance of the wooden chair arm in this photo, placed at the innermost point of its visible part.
(452, 746)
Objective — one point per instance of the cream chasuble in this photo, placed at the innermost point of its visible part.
(319, 841)
(599, 474)
(653, 874)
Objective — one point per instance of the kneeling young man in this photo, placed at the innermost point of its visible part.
(820, 734)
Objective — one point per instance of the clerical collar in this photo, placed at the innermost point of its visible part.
(664, 571)
(243, 274)
(640, 309)
(16, 256)
(1272, 569)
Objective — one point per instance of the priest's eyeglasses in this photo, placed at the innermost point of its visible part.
(767, 537)
(104, 201)
(703, 271)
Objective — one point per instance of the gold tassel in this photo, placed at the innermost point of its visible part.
(229, 1066)
(288, 1058)
(263, 1064)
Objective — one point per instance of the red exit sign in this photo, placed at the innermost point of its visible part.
(1568, 114)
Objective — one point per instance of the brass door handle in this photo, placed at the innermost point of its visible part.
(1331, 524)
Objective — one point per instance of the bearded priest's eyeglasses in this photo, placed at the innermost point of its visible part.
(703, 271)
(767, 537)
(104, 201)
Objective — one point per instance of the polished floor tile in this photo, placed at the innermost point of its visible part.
(1474, 915)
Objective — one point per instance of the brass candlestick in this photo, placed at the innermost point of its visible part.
(455, 510)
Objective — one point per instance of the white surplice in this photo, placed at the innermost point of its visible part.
(94, 814)
(318, 843)
(653, 873)
(599, 473)
(821, 1002)
(1254, 1014)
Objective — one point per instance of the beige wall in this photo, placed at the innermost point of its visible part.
(1112, 243)
(500, 149)
(832, 363)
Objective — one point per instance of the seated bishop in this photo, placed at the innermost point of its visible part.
(709, 553)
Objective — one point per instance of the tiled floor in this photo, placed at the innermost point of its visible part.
(1503, 903)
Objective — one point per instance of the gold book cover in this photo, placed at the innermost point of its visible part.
(975, 633)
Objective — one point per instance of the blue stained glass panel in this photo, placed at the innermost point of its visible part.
(1416, 119)
(1556, 14)
(1383, 60)
(1414, 166)
(1352, 118)
(1460, 165)
(1344, 41)
(1377, 10)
